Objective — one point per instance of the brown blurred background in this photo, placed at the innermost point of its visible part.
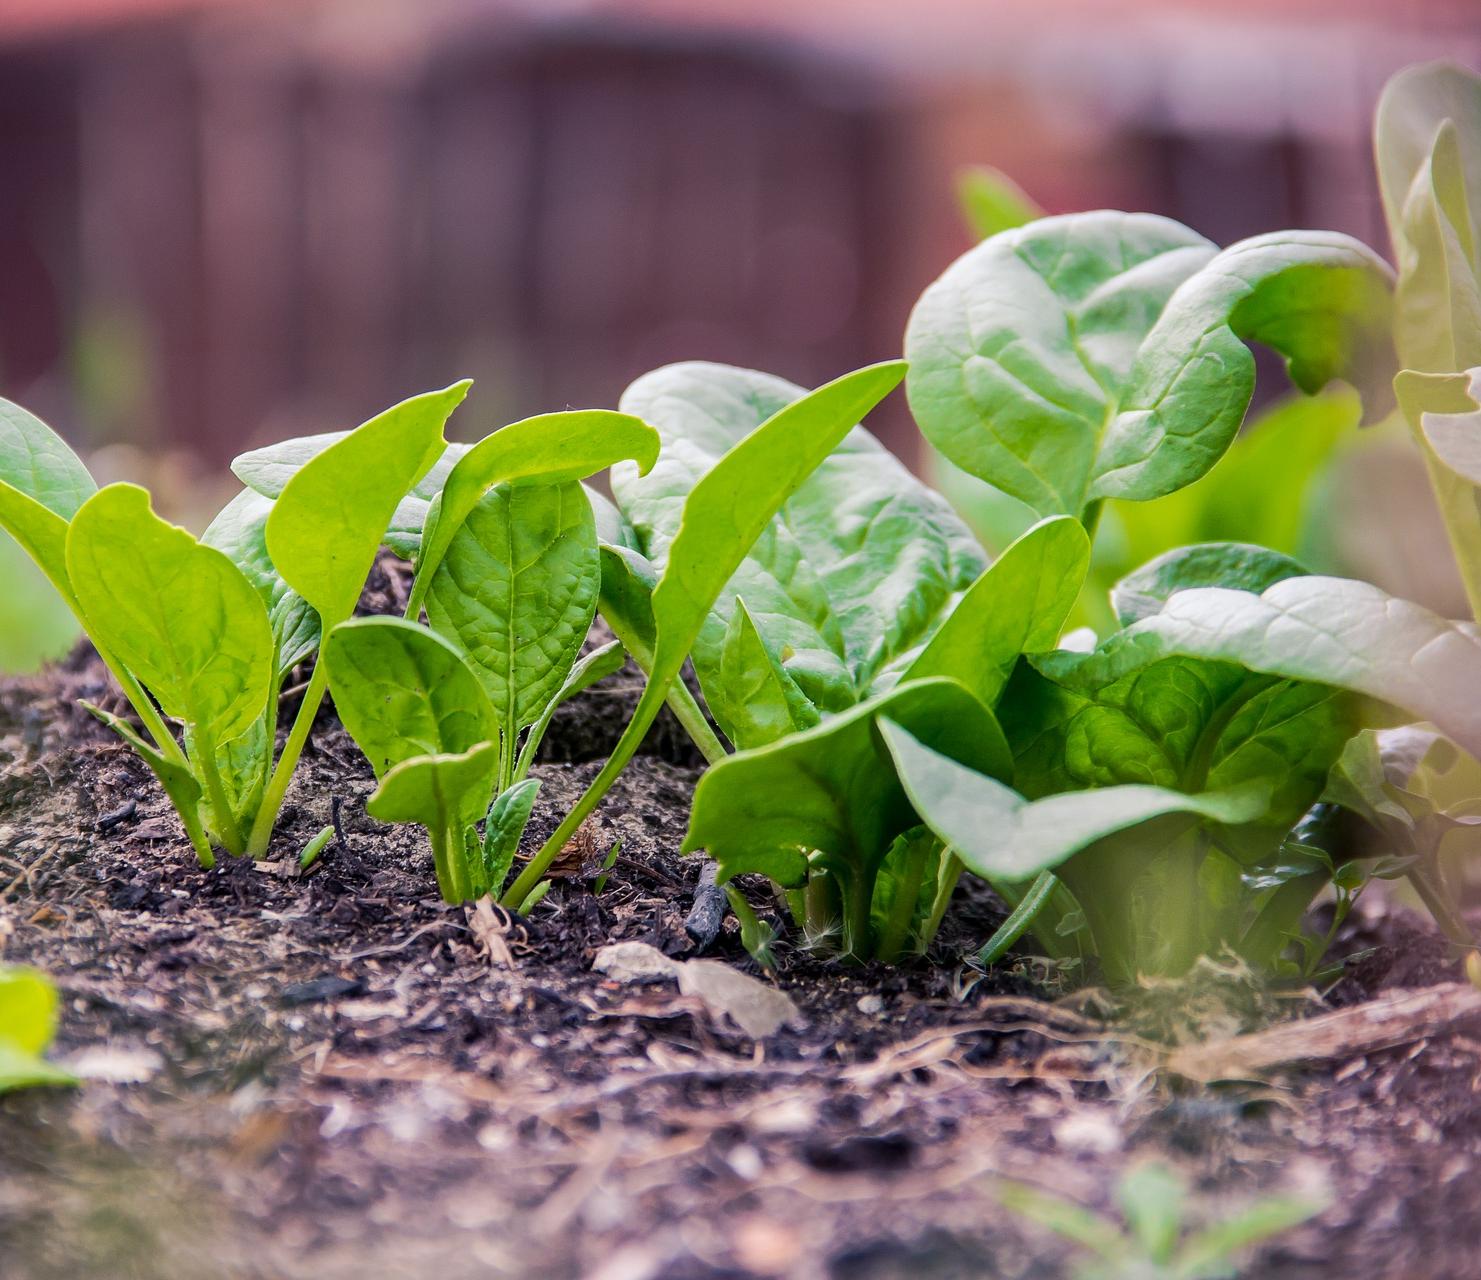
(224, 221)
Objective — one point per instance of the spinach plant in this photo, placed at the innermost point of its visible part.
(203, 632)
(509, 572)
(821, 812)
(1102, 355)
(28, 1021)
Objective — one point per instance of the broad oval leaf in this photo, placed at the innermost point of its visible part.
(239, 532)
(42, 485)
(1001, 835)
(332, 514)
(754, 700)
(444, 792)
(855, 571)
(833, 788)
(517, 588)
(1334, 631)
(553, 449)
(1240, 565)
(177, 613)
(734, 502)
(1102, 355)
(403, 691)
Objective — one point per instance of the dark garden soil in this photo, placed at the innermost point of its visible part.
(335, 1075)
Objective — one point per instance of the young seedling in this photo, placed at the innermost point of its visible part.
(821, 812)
(28, 1022)
(203, 633)
(1152, 1241)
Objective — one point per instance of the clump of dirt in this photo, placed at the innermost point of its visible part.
(334, 1074)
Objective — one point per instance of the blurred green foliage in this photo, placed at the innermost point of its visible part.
(35, 626)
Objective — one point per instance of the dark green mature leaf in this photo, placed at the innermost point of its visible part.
(517, 589)
(331, 516)
(179, 614)
(42, 485)
(1240, 565)
(1001, 835)
(1017, 606)
(1332, 631)
(403, 691)
(444, 792)
(239, 532)
(857, 569)
(833, 788)
(552, 449)
(1102, 354)
(1129, 714)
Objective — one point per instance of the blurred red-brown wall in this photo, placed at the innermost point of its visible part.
(222, 222)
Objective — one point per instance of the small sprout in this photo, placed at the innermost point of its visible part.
(1152, 1241)
(757, 935)
(610, 861)
(315, 847)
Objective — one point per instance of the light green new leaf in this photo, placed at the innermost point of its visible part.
(1413, 106)
(1239, 565)
(517, 588)
(403, 691)
(1102, 354)
(833, 788)
(268, 470)
(730, 506)
(753, 699)
(626, 599)
(507, 820)
(1001, 835)
(991, 201)
(858, 567)
(1018, 606)
(239, 532)
(553, 449)
(42, 485)
(178, 613)
(444, 792)
(332, 514)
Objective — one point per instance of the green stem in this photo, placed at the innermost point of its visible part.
(946, 882)
(856, 925)
(680, 701)
(1440, 903)
(144, 708)
(1019, 919)
(822, 906)
(907, 893)
(687, 711)
(205, 768)
(277, 787)
(192, 823)
(448, 879)
(637, 728)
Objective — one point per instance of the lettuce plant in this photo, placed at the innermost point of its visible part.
(201, 633)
